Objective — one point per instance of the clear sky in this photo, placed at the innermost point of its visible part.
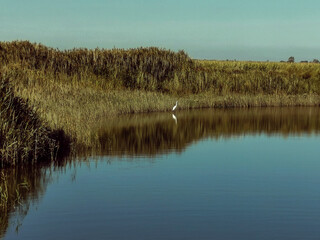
(210, 29)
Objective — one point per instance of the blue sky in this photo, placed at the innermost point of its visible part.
(206, 29)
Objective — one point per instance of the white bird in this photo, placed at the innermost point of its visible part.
(175, 106)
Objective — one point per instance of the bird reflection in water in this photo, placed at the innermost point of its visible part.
(174, 117)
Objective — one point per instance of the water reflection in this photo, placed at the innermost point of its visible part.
(174, 118)
(150, 135)
(19, 188)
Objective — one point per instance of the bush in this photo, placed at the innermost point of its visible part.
(291, 59)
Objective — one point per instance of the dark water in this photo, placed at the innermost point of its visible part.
(210, 174)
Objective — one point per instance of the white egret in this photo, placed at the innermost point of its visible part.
(175, 106)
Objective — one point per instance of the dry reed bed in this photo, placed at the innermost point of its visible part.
(161, 70)
(71, 89)
(23, 136)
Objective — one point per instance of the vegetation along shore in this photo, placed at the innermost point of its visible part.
(49, 98)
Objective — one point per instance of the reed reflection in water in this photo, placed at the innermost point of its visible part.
(150, 135)
(20, 187)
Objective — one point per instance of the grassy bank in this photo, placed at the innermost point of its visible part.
(72, 89)
(75, 108)
(24, 136)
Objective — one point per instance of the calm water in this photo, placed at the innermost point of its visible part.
(211, 174)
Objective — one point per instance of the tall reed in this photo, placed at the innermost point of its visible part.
(155, 69)
(72, 89)
(24, 137)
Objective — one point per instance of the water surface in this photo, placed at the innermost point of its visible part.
(205, 174)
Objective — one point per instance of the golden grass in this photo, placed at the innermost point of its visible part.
(76, 109)
(71, 90)
(23, 136)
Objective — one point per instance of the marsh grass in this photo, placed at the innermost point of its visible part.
(160, 70)
(24, 136)
(77, 109)
(71, 90)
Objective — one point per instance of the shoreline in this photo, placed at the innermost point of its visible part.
(54, 98)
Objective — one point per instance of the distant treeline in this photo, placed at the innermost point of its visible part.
(291, 60)
(161, 70)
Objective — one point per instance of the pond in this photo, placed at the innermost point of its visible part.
(201, 174)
